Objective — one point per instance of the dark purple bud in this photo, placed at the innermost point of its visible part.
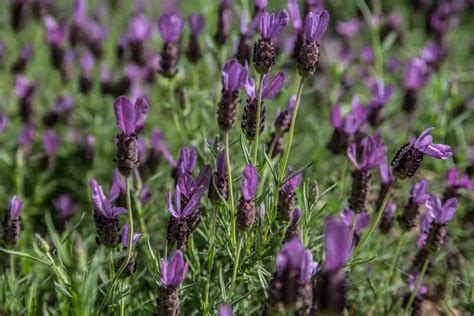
(12, 222)
(196, 25)
(283, 119)
(418, 196)
(219, 184)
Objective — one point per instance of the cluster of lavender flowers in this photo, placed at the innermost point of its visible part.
(265, 237)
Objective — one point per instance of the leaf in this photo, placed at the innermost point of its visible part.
(275, 177)
(24, 255)
(297, 172)
(245, 150)
(222, 284)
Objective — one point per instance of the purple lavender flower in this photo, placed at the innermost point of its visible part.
(225, 310)
(26, 53)
(56, 33)
(433, 53)
(293, 230)
(271, 26)
(416, 76)
(387, 220)
(173, 273)
(61, 111)
(117, 189)
(331, 285)
(140, 30)
(131, 267)
(380, 96)
(291, 287)
(349, 29)
(224, 22)
(187, 159)
(51, 142)
(418, 196)
(196, 25)
(372, 152)
(234, 77)
(12, 222)
(287, 196)
(136, 237)
(246, 210)
(297, 22)
(67, 65)
(282, 126)
(87, 66)
(218, 186)
(244, 47)
(25, 91)
(158, 149)
(65, 206)
(456, 182)
(416, 306)
(315, 25)
(106, 217)
(443, 19)
(270, 89)
(362, 221)
(409, 158)
(27, 136)
(130, 119)
(170, 26)
(145, 195)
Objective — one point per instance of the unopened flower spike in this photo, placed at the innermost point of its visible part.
(170, 27)
(287, 196)
(246, 210)
(418, 196)
(173, 272)
(196, 25)
(12, 222)
(218, 187)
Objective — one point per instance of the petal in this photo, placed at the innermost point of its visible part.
(336, 116)
(125, 115)
(336, 243)
(424, 139)
(249, 182)
(279, 23)
(352, 154)
(449, 209)
(141, 110)
(439, 151)
(274, 87)
(322, 25)
(98, 196)
(294, 12)
(171, 208)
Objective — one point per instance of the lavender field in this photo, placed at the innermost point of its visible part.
(236, 157)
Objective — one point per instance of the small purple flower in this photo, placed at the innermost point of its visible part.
(416, 74)
(139, 29)
(337, 243)
(131, 117)
(135, 238)
(65, 206)
(419, 192)
(225, 310)
(439, 212)
(196, 24)
(51, 142)
(63, 104)
(315, 25)
(381, 93)
(145, 195)
(187, 159)
(385, 173)
(180, 211)
(271, 88)
(14, 207)
(372, 154)
(12, 222)
(103, 205)
(457, 181)
(433, 53)
(27, 136)
(351, 123)
(424, 143)
(294, 12)
(56, 33)
(246, 210)
(287, 196)
(118, 186)
(367, 54)
(174, 270)
(170, 26)
(349, 29)
(412, 279)
(272, 25)
(362, 220)
(295, 257)
(24, 88)
(234, 76)
(291, 185)
(87, 64)
(283, 118)
(249, 182)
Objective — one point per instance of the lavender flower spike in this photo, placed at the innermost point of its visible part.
(12, 222)
(130, 119)
(219, 184)
(416, 76)
(246, 210)
(136, 237)
(439, 214)
(196, 25)
(297, 26)
(51, 142)
(131, 267)
(106, 217)
(409, 158)
(234, 77)
(271, 26)
(418, 196)
(287, 196)
(290, 289)
(455, 182)
(173, 273)
(315, 25)
(65, 206)
(170, 26)
(224, 22)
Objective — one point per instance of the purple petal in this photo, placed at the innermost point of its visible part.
(249, 87)
(249, 182)
(158, 145)
(98, 196)
(336, 243)
(125, 115)
(186, 160)
(221, 164)
(295, 14)
(135, 238)
(170, 26)
(419, 192)
(14, 207)
(225, 310)
(352, 154)
(336, 116)
(51, 142)
(438, 151)
(196, 24)
(141, 110)
(271, 26)
(270, 90)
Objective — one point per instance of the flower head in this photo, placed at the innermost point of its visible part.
(348, 29)
(270, 87)
(337, 243)
(159, 146)
(385, 172)
(170, 26)
(295, 257)
(272, 25)
(416, 74)
(290, 185)
(315, 25)
(24, 88)
(380, 93)
(131, 118)
(439, 212)
(424, 143)
(295, 15)
(51, 142)
(457, 181)
(136, 237)
(56, 33)
(196, 24)
(351, 123)
(187, 159)
(174, 270)
(102, 204)
(419, 192)
(14, 207)
(362, 220)
(234, 75)
(139, 29)
(373, 153)
(249, 182)
(65, 206)
(87, 63)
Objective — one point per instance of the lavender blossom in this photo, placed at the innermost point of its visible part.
(26, 137)
(106, 217)
(56, 36)
(246, 210)
(196, 25)
(25, 91)
(409, 158)
(418, 196)
(25, 56)
(298, 26)
(372, 152)
(415, 78)
(225, 310)
(140, 31)
(157, 150)
(130, 119)
(87, 65)
(434, 53)
(416, 306)
(218, 187)
(249, 118)
(131, 267)
(362, 221)
(61, 111)
(170, 26)
(187, 160)
(12, 222)
(293, 230)
(380, 96)
(65, 207)
(287, 196)
(224, 22)
(271, 25)
(455, 182)
(290, 289)
(387, 219)
(282, 126)
(386, 181)
(315, 26)
(51, 143)
(173, 273)
(244, 47)
(234, 77)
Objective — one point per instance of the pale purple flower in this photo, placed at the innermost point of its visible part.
(295, 16)
(27, 135)
(118, 186)
(272, 25)
(14, 207)
(24, 88)
(170, 26)
(348, 29)
(187, 159)
(412, 280)
(394, 64)
(337, 243)
(103, 205)
(419, 192)
(433, 52)
(174, 270)
(290, 186)
(362, 220)
(416, 74)
(295, 257)
(65, 206)
(249, 182)
(381, 93)
(135, 238)
(196, 24)
(234, 75)
(51, 142)
(131, 117)
(367, 54)
(424, 143)
(271, 87)
(87, 64)
(315, 25)
(385, 172)
(56, 33)
(439, 212)
(372, 154)
(139, 29)
(457, 181)
(351, 123)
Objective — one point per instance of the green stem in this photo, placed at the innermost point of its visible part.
(394, 262)
(129, 245)
(257, 126)
(417, 285)
(231, 192)
(236, 261)
(375, 221)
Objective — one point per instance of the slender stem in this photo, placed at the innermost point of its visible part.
(236, 261)
(129, 245)
(257, 126)
(395, 258)
(375, 221)
(231, 192)
(210, 263)
(417, 285)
